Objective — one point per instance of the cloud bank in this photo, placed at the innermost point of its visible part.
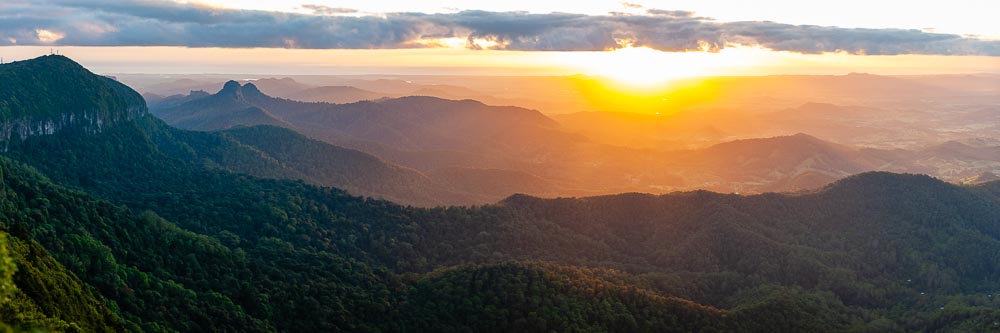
(164, 23)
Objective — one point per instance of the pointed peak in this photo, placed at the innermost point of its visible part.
(250, 87)
(231, 86)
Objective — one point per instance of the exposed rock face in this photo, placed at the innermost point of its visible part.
(90, 122)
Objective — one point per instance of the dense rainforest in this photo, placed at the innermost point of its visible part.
(134, 225)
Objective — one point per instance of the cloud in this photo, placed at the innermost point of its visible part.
(48, 37)
(327, 10)
(670, 13)
(167, 23)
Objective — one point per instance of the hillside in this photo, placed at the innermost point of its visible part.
(781, 164)
(359, 173)
(38, 293)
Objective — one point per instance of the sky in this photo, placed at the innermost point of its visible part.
(637, 41)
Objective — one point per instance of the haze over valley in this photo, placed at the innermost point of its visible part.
(733, 141)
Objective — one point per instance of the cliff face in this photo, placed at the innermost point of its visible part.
(89, 121)
(45, 95)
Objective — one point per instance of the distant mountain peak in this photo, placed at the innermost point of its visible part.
(231, 87)
(879, 184)
(250, 88)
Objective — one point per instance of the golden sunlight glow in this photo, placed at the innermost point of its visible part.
(641, 66)
(643, 80)
(645, 68)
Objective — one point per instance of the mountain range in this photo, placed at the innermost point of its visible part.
(569, 155)
(137, 226)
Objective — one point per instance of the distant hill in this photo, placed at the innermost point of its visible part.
(226, 109)
(273, 86)
(155, 101)
(279, 86)
(786, 154)
(334, 94)
(180, 86)
(408, 122)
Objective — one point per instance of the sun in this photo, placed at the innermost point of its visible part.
(639, 67)
(644, 80)
(644, 68)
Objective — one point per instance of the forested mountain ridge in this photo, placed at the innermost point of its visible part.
(51, 93)
(163, 278)
(172, 243)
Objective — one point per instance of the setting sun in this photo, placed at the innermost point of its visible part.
(645, 68)
(642, 66)
(636, 66)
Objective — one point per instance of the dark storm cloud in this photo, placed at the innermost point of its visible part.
(148, 23)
